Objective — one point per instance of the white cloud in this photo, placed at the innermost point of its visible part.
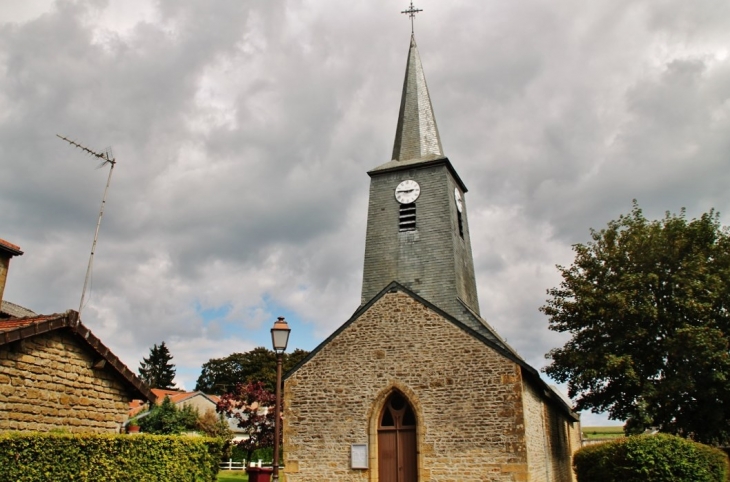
(243, 132)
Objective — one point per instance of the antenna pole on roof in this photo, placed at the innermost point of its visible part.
(106, 157)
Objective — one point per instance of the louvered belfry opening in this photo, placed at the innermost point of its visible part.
(407, 217)
(397, 460)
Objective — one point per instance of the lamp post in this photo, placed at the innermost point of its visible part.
(279, 338)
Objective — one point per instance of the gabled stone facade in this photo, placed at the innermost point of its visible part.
(480, 415)
(56, 375)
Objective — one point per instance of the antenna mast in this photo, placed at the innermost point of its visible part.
(106, 157)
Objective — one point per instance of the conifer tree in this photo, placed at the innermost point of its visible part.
(156, 370)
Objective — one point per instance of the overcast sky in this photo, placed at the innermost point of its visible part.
(243, 131)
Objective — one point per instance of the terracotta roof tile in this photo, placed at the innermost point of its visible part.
(136, 406)
(14, 249)
(13, 323)
(176, 396)
(161, 393)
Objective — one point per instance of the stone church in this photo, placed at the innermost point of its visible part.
(416, 386)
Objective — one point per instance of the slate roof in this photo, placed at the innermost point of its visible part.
(15, 311)
(421, 163)
(417, 136)
(417, 140)
(15, 329)
(476, 327)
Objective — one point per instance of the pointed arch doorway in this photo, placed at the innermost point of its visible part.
(397, 451)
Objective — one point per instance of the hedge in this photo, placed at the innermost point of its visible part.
(40, 457)
(651, 458)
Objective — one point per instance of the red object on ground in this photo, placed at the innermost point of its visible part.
(259, 474)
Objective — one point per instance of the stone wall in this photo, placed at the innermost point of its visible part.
(47, 382)
(536, 436)
(564, 439)
(552, 438)
(467, 399)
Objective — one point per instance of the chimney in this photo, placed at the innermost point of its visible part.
(7, 251)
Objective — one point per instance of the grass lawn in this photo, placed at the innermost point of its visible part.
(603, 432)
(232, 476)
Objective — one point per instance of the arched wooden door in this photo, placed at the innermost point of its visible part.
(397, 460)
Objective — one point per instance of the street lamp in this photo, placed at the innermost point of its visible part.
(279, 338)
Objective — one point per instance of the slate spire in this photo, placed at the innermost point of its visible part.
(417, 136)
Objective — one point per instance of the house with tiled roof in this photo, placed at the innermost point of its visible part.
(199, 400)
(56, 374)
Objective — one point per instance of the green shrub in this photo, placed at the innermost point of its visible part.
(168, 419)
(650, 458)
(34, 457)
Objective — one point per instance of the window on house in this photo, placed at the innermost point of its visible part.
(460, 219)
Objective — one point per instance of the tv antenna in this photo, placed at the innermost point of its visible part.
(106, 157)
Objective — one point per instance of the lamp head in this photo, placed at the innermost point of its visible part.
(280, 335)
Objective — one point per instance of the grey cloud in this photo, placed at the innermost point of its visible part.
(244, 131)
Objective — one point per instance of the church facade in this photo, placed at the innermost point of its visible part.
(416, 386)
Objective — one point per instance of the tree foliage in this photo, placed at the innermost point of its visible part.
(156, 370)
(167, 419)
(646, 304)
(252, 404)
(220, 375)
(214, 424)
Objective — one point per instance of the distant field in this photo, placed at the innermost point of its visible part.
(603, 432)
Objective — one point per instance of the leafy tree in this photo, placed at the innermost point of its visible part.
(253, 406)
(156, 370)
(167, 419)
(220, 375)
(646, 304)
(214, 424)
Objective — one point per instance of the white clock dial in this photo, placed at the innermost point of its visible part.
(457, 198)
(407, 191)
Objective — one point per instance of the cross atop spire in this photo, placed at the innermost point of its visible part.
(412, 13)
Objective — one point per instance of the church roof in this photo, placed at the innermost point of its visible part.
(417, 136)
(419, 163)
(476, 327)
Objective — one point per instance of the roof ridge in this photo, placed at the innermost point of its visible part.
(482, 332)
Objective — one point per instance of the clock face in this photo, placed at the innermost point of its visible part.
(457, 198)
(407, 191)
